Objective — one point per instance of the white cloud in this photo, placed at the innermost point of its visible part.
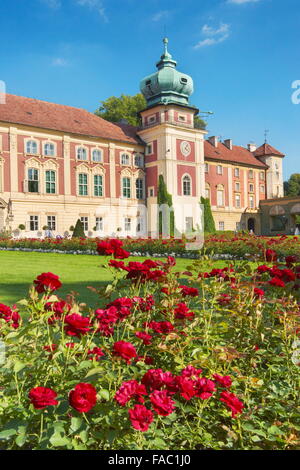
(59, 62)
(222, 29)
(160, 15)
(241, 2)
(94, 5)
(216, 35)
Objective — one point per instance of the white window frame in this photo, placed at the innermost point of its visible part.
(34, 219)
(29, 141)
(237, 186)
(99, 224)
(51, 222)
(219, 170)
(50, 182)
(219, 191)
(85, 220)
(221, 226)
(127, 224)
(98, 185)
(53, 152)
(79, 148)
(237, 201)
(186, 183)
(236, 172)
(126, 188)
(100, 151)
(127, 159)
(141, 159)
(83, 184)
(149, 149)
(139, 191)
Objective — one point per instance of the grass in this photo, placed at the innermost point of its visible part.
(77, 272)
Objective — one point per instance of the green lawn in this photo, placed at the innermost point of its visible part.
(77, 272)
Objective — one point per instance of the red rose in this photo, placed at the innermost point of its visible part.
(204, 388)
(232, 402)
(96, 353)
(164, 327)
(129, 390)
(271, 255)
(181, 312)
(144, 337)
(224, 381)
(189, 291)
(186, 387)
(162, 403)
(83, 398)
(276, 282)
(41, 397)
(154, 379)
(190, 371)
(76, 325)
(258, 292)
(51, 348)
(125, 350)
(10, 316)
(47, 281)
(140, 417)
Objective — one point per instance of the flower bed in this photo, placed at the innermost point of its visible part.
(168, 360)
(226, 246)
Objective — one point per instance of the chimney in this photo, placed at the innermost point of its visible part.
(213, 140)
(228, 143)
(252, 147)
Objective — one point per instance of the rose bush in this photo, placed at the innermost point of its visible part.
(167, 360)
(223, 244)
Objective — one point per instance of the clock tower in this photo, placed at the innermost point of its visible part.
(174, 146)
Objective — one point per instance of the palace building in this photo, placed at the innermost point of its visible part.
(59, 163)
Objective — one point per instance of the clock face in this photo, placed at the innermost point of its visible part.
(185, 148)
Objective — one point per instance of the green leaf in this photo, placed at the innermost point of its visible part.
(21, 439)
(19, 366)
(76, 424)
(59, 441)
(7, 433)
(104, 394)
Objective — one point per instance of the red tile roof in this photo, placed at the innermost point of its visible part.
(267, 149)
(32, 112)
(236, 155)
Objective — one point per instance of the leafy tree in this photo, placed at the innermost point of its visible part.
(199, 123)
(125, 107)
(209, 223)
(292, 186)
(79, 230)
(163, 197)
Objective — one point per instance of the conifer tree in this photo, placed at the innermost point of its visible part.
(209, 223)
(79, 230)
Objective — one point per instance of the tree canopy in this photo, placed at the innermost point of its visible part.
(292, 186)
(115, 109)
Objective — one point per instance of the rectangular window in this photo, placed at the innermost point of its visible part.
(140, 224)
(250, 174)
(85, 221)
(139, 183)
(262, 176)
(139, 161)
(237, 172)
(50, 178)
(83, 184)
(251, 202)
(51, 222)
(221, 226)
(33, 180)
(151, 192)
(237, 201)
(262, 189)
(149, 149)
(99, 224)
(219, 170)
(220, 198)
(98, 185)
(127, 224)
(206, 167)
(126, 187)
(251, 188)
(237, 186)
(34, 222)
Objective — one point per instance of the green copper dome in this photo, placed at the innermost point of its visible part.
(167, 85)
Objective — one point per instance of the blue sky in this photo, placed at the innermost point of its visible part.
(242, 54)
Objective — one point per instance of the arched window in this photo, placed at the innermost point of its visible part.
(81, 153)
(186, 185)
(125, 159)
(31, 147)
(97, 155)
(49, 149)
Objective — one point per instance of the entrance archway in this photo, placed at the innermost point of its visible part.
(251, 224)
